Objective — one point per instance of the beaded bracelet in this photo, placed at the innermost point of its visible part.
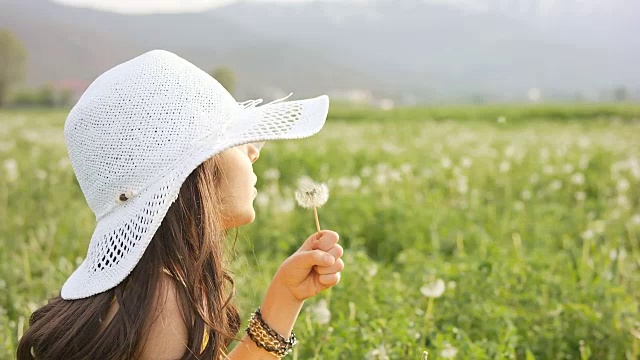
(267, 338)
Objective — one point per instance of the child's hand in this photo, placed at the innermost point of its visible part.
(314, 267)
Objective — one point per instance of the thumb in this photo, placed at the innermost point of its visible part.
(324, 240)
(305, 260)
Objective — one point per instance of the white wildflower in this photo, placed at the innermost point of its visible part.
(406, 168)
(372, 270)
(286, 205)
(379, 353)
(466, 162)
(584, 162)
(568, 168)
(623, 185)
(433, 290)
(366, 171)
(548, 169)
(262, 200)
(623, 201)
(41, 174)
(395, 176)
(445, 162)
(320, 312)
(580, 196)
(534, 178)
(462, 184)
(588, 234)
(11, 169)
(64, 163)
(525, 195)
(501, 119)
(505, 166)
(449, 352)
(556, 185)
(578, 179)
(271, 174)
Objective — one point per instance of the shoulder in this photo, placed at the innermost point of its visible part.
(165, 329)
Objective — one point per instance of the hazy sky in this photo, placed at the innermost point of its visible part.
(154, 6)
(147, 6)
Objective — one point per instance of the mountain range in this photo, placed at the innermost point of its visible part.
(408, 50)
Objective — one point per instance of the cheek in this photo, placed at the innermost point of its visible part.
(238, 209)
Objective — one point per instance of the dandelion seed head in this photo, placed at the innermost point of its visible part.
(311, 194)
(320, 312)
(433, 290)
(449, 352)
(578, 179)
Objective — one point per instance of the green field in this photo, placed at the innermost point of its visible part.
(530, 216)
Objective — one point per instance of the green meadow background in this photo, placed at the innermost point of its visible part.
(528, 215)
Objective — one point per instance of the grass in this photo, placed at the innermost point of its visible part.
(532, 222)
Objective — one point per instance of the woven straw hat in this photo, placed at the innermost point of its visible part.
(136, 134)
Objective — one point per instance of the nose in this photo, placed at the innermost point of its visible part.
(253, 152)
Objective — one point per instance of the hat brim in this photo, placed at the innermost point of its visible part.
(121, 236)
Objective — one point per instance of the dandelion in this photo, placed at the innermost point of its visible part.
(505, 166)
(578, 179)
(568, 168)
(556, 185)
(271, 174)
(311, 195)
(406, 168)
(534, 178)
(41, 174)
(466, 162)
(262, 200)
(588, 234)
(320, 312)
(11, 169)
(286, 206)
(449, 352)
(548, 169)
(623, 185)
(433, 290)
(379, 353)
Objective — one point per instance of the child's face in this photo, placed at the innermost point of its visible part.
(238, 184)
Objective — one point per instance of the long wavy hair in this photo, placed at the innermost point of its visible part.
(189, 245)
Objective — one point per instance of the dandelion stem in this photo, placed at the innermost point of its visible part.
(315, 213)
(427, 314)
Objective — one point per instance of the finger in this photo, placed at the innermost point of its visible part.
(326, 241)
(336, 251)
(331, 269)
(308, 259)
(329, 280)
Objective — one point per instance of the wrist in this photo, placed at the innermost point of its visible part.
(280, 308)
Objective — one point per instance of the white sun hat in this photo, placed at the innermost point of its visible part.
(136, 134)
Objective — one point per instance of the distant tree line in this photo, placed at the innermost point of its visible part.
(13, 59)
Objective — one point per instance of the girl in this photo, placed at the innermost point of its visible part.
(163, 155)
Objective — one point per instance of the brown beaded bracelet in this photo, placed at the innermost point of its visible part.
(267, 338)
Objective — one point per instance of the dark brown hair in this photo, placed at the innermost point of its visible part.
(189, 245)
